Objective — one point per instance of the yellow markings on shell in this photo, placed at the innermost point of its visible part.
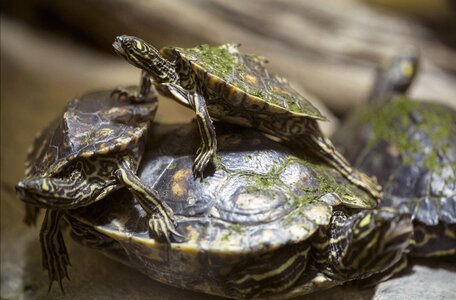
(251, 79)
(179, 183)
(104, 132)
(123, 142)
(86, 154)
(103, 149)
(235, 96)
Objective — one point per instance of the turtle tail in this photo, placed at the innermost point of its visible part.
(367, 243)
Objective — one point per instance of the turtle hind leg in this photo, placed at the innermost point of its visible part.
(161, 222)
(366, 243)
(326, 150)
(382, 276)
(54, 252)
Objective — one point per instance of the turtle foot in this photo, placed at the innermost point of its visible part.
(164, 229)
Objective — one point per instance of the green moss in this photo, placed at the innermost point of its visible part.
(216, 59)
(394, 123)
(229, 67)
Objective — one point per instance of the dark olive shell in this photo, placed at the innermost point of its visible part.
(246, 73)
(98, 123)
(410, 147)
(257, 208)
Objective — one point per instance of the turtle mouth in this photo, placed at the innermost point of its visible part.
(118, 48)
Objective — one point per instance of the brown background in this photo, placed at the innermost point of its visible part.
(54, 50)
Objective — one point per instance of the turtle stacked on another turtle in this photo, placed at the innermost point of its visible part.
(410, 147)
(223, 84)
(268, 222)
(92, 150)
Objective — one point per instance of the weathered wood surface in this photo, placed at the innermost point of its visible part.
(329, 47)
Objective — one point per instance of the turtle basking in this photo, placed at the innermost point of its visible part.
(223, 84)
(268, 222)
(94, 149)
(410, 147)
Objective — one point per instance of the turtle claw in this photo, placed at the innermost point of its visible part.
(164, 229)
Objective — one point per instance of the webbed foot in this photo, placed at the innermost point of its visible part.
(54, 252)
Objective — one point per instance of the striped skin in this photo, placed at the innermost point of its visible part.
(270, 273)
(357, 246)
(53, 249)
(94, 149)
(277, 109)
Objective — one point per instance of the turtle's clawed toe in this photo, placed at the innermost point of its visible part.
(164, 230)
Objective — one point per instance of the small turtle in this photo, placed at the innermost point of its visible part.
(251, 229)
(223, 84)
(94, 149)
(410, 147)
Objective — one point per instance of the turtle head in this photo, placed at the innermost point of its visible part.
(395, 76)
(146, 57)
(53, 192)
(36, 191)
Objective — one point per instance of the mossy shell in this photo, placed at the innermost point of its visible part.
(97, 123)
(245, 74)
(261, 205)
(410, 147)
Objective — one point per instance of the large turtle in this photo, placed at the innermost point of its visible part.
(268, 222)
(92, 150)
(221, 83)
(410, 147)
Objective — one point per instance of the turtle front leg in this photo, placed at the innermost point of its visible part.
(53, 249)
(31, 214)
(208, 148)
(161, 222)
(196, 102)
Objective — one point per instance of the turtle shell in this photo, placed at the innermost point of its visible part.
(245, 74)
(98, 123)
(258, 208)
(410, 147)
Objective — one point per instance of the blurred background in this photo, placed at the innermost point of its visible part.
(54, 50)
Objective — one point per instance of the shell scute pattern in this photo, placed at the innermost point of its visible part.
(248, 226)
(247, 189)
(242, 76)
(415, 162)
(96, 124)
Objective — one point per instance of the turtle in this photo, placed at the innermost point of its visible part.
(221, 83)
(268, 223)
(90, 151)
(410, 147)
